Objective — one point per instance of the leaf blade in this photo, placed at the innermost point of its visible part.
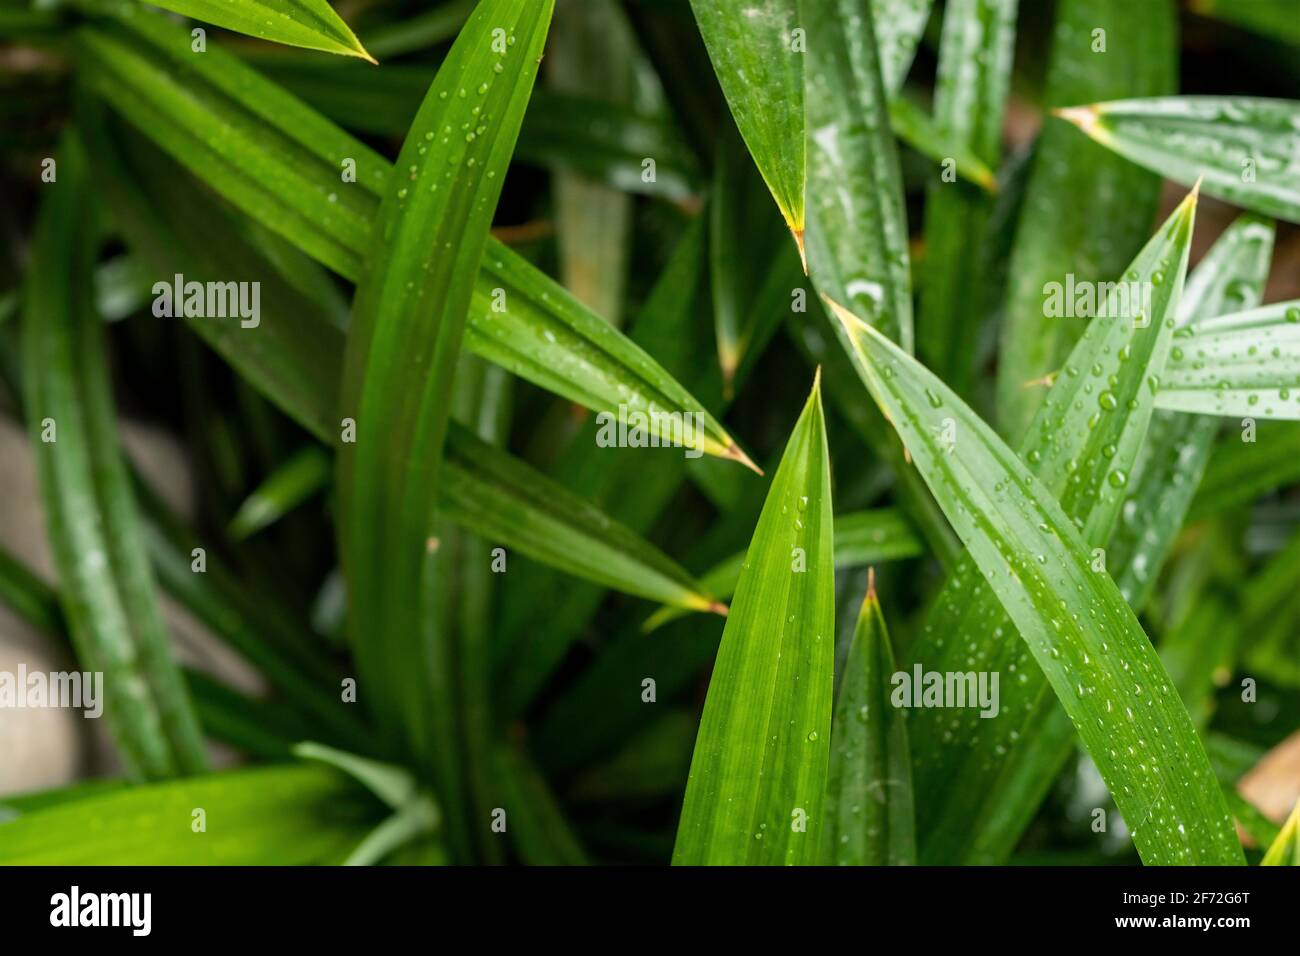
(762, 750)
(311, 24)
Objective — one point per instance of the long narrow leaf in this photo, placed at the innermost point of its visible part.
(108, 592)
(856, 222)
(1242, 365)
(1076, 624)
(757, 52)
(758, 775)
(408, 318)
(1243, 147)
(312, 24)
(287, 167)
(869, 812)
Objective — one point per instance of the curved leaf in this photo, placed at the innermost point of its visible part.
(285, 815)
(107, 589)
(1243, 147)
(290, 169)
(408, 317)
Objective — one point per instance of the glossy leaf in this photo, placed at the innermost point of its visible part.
(312, 24)
(869, 811)
(758, 59)
(283, 815)
(856, 221)
(1080, 632)
(294, 358)
(408, 317)
(1244, 365)
(758, 776)
(1082, 450)
(292, 170)
(1169, 466)
(1085, 212)
(1243, 147)
(107, 589)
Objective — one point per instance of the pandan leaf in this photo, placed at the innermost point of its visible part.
(312, 24)
(758, 776)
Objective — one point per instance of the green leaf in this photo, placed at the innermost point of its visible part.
(28, 596)
(913, 126)
(288, 486)
(408, 317)
(593, 54)
(284, 815)
(106, 585)
(899, 25)
(541, 835)
(312, 24)
(1169, 466)
(869, 791)
(757, 57)
(1242, 365)
(285, 166)
(856, 221)
(1274, 19)
(1085, 212)
(500, 498)
(1285, 850)
(739, 223)
(1082, 453)
(1243, 147)
(861, 538)
(975, 56)
(758, 775)
(295, 357)
(1036, 563)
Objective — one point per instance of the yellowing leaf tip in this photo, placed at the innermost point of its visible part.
(1084, 117)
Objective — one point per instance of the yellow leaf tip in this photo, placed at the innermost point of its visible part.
(803, 253)
(1084, 117)
(736, 453)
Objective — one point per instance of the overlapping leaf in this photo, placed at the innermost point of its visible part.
(757, 56)
(106, 585)
(408, 317)
(856, 221)
(292, 170)
(1036, 563)
(1085, 212)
